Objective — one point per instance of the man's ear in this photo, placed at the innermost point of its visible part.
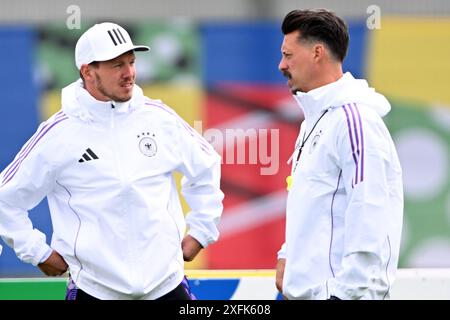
(318, 51)
(87, 72)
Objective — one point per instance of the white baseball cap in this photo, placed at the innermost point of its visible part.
(103, 42)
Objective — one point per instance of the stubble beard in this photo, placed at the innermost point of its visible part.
(102, 90)
(288, 76)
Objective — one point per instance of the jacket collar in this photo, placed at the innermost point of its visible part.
(316, 101)
(78, 102)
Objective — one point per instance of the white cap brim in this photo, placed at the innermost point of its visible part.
(103, 42)
(112, 55)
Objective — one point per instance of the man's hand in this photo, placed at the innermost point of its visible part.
(191, 247)
(54, 265)
(280, 274)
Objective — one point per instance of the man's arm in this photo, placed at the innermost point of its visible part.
(23, 184)
(201, 188)
(281, 264)
(191, 247)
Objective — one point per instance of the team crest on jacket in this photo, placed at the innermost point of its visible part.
(147, 145)
(315, 141)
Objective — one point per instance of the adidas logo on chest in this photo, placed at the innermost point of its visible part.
(89, 155)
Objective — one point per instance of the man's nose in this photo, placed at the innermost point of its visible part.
(282, 65)
(128, 71)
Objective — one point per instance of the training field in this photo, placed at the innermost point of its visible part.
(411, 284)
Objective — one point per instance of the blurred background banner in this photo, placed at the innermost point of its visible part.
(216, 63)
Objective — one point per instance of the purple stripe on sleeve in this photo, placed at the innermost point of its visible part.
(355, 129)
(362, 141)
(193, 133)
(351, 137)
(25, 149)
(30, 142)
(159, 106)
(205, 150)
(9, 176)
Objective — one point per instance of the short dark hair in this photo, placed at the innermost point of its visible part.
(319, 25)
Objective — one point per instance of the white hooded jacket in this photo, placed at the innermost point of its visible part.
(106, 169)
(345, 205)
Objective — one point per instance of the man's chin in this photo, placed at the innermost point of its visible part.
(293, 89)
(124, 97)
(120, 99)
(291, 86)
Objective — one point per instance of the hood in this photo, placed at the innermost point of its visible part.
(76, 101)
(346, 90)
(359, 92)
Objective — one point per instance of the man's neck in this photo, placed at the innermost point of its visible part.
(329, 74)
(97, 95)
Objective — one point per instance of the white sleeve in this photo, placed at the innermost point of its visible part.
(282, 252)
(23, 184)
(363, 148)
(200, 184)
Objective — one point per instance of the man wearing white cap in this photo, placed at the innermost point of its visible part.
(105, 164)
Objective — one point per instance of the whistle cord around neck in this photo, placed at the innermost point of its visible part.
(307, 137)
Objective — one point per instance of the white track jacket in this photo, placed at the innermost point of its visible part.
(106, 169)
(345, 205)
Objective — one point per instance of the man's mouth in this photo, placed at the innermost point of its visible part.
(127, 85)
(287, 75)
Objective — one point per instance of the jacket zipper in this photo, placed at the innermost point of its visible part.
(131, 224)
(111, 118)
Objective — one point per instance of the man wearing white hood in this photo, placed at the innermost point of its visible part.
(345, 202)
(105, 164)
